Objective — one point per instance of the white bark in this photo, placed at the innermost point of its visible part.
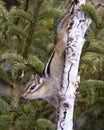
(74, 47)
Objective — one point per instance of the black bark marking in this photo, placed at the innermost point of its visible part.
(66, 105)
(69, 77)
(65, 113)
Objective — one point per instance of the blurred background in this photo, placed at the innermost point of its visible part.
(28, 33)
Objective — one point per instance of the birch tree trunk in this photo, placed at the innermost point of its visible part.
(75, 42)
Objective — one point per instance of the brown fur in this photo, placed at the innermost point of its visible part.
(48, 87)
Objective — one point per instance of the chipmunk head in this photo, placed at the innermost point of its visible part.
(42, 87)
(34, 88)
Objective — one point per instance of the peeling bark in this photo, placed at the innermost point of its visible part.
(75, 42)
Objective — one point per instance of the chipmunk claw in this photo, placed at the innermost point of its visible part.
(62, 96)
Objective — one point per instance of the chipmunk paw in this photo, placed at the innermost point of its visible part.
(62, 96)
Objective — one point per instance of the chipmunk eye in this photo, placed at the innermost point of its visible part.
(32, 87)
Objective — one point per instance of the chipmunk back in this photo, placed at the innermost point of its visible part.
(55, 64)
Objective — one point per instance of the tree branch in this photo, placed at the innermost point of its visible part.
(75, 42)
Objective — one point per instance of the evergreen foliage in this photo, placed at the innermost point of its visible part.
(26, 38)
(90, 11)
(91, 71)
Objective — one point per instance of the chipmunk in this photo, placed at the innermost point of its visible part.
(48, 86)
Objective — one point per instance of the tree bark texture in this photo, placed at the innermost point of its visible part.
(75, 42)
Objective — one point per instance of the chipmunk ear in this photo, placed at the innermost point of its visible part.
(32, 77)
(37, 78)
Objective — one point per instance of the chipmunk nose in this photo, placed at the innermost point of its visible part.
(24, 96)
